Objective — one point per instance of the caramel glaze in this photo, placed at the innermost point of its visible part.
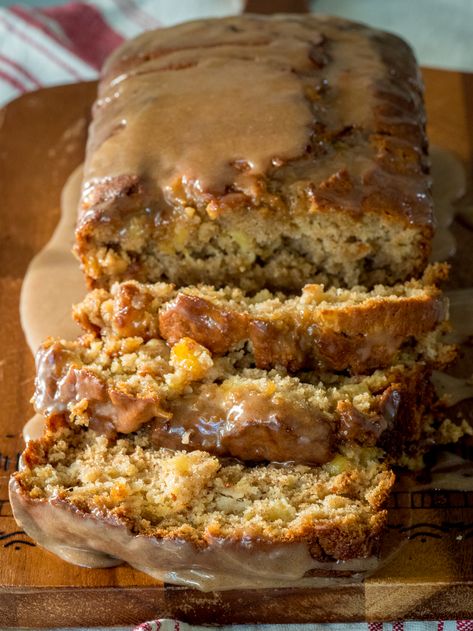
(252, 426)
(248, 426)
(297, 108)
(61, 382)
(248, 423)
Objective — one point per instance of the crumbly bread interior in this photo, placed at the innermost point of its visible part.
(152, 371)
(321, 330)
(100, 308)
(255, 251)
(152, 368)
(196, 496)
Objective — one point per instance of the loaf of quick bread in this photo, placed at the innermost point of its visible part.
(254, 226)
(263, 152)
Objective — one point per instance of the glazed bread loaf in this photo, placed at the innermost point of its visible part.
(263, 152)
(254, 225)
(190, 518)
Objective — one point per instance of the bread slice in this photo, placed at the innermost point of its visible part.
(260, 151)
(190, 518)
(320, 329)
(195, 401)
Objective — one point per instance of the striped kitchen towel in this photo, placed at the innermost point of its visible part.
(51, 45)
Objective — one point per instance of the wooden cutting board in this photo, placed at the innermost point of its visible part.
(42, 138)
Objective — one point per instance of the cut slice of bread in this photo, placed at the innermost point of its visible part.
(334, 329)
(184, 517)
(193, 401)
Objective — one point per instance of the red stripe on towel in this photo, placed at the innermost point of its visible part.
(91, 38)
(21, 70)
(47, 53)
(13, 81)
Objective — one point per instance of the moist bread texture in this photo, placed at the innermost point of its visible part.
(123, 499)
(304, 159)
(195, 401)
(262, 378)
(323, 330)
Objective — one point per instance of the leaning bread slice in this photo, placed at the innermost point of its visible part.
(192, 400)
(335, 329)
(190, 518)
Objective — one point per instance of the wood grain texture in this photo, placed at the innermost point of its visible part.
(42, 138)
(276, 6)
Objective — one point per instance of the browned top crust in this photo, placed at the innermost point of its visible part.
(294, 114)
